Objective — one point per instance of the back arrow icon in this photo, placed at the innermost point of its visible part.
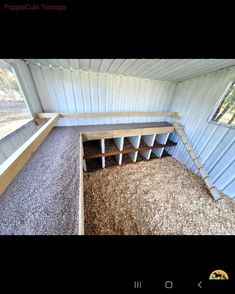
(199, 284)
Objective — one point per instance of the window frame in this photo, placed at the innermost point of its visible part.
(25, 101)
(218, 104)
(21, 90)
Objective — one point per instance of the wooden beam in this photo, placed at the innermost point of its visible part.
(45, 115)
(132, 162)
(130, 150)
(110, 114)
(88, 136)
(10, 168)
(38, 121)
(81, 194)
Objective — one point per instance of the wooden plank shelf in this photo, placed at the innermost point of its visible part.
(129, 150)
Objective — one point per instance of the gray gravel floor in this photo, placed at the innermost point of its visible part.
(43, 197)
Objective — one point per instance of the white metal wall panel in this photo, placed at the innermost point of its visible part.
(10, 143)
(195, 100)
(74, 91)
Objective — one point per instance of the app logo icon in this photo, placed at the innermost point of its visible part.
(218, 275)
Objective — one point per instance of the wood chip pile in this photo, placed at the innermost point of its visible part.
(159, 197)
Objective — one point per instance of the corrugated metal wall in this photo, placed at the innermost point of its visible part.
(75, 91)
(10, 143)
(195, 100)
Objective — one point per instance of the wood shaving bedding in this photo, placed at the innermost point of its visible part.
(159, 197)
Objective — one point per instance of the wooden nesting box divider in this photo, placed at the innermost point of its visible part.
(108, 152)
(149, 141)
(135, 142)
(160, 139)
(170, 139)
(102, 145)
(119, 143)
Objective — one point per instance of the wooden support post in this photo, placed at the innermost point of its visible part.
(214, 192)
(81, 196)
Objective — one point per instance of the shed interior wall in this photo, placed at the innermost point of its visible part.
(53, 90)
(214, 144)
(75, 91)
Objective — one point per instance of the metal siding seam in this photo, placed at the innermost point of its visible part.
(207, 141)
(159, 68)
(224, 170)
(80, 82)
(75, 96)
(227, 183)
(57, 100)
(221, 155)
(47, 96)
(135, 65)
(215, 146)
(89, 93)
(125, 71)
(65, 95)
(230, 190)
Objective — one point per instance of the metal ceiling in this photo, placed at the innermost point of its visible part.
(174, 70)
